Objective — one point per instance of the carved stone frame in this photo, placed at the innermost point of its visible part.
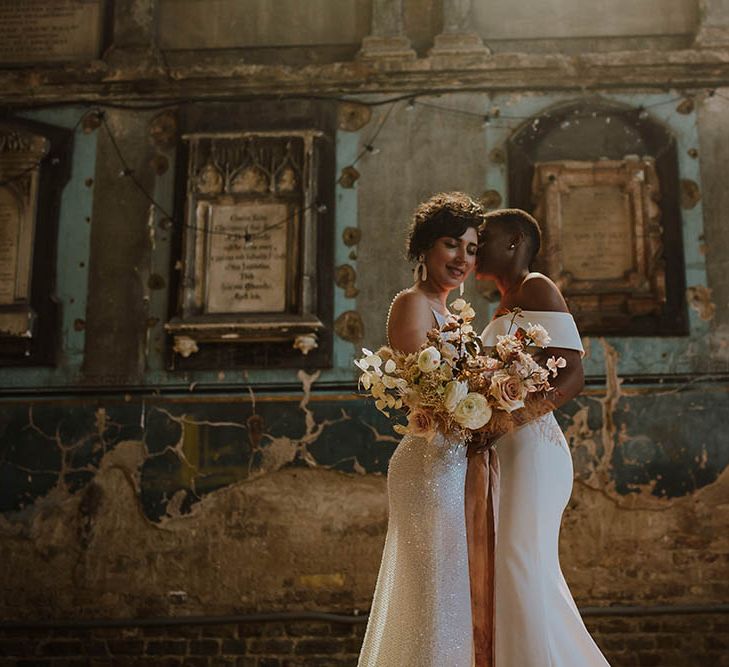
(34, 168)
(641, 290)
(301, 337)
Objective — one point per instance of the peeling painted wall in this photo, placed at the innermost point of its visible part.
(127, 489)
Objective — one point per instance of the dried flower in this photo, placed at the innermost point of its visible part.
(553, 364)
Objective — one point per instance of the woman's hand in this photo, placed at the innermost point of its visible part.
(499, 424)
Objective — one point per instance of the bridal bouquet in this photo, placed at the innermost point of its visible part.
(451, 384)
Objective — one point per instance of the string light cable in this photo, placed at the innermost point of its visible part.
(493, 118)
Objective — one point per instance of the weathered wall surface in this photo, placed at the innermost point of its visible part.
(129, 490)
(285, 501)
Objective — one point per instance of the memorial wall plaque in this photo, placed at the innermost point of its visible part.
(34, 168)
(21, 154)
(250, 241)
(38, 31)
(596, 233)
(602, 237)
(247, 277)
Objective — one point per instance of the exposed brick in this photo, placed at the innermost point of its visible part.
(195, 662)
(225, 631)
(270, 646)
(61, 647)
(172, 631)
(322, 662)
(166, 647)
(717, 642)
(317, 647)
(352, 645)
(262, 629)
(637, 642)
(17, 648)
(204, 647)
(341, 629)
(652, 659)
(307, 629)
(95, 647)
(125, 646)
(235, 647)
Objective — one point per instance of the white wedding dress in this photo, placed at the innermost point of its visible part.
(421, 611)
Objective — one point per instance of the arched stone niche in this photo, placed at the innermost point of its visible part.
(602, 179)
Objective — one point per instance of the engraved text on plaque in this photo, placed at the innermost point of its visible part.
(49, 30)
(247, 277)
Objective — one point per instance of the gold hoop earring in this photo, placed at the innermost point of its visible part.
(421, 270)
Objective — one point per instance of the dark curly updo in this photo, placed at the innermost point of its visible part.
(444, 214)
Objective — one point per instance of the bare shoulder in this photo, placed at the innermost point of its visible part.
(409, 304)
(409, 322)
(538, 292)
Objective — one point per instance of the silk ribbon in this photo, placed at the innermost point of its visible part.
(482, 512)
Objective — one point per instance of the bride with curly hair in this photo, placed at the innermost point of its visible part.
(421, 613)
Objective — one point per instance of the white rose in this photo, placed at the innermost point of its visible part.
(459, 304)
(455, 392)
(428, 359)
(538, 334)
(508, 391)
(473, 411)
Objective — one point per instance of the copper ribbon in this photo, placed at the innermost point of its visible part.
(482, 511)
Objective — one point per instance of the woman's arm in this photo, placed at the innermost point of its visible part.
(410, 320)
(540, 294)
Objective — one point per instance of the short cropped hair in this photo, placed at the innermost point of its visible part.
(444, 214)
(514, 219)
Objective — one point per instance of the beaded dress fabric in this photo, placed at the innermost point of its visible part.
(536, 621)
(421, 613)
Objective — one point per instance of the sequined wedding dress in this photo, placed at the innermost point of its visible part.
(421, 612)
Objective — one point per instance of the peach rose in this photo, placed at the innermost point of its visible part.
(421, 423)
(508, 391)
